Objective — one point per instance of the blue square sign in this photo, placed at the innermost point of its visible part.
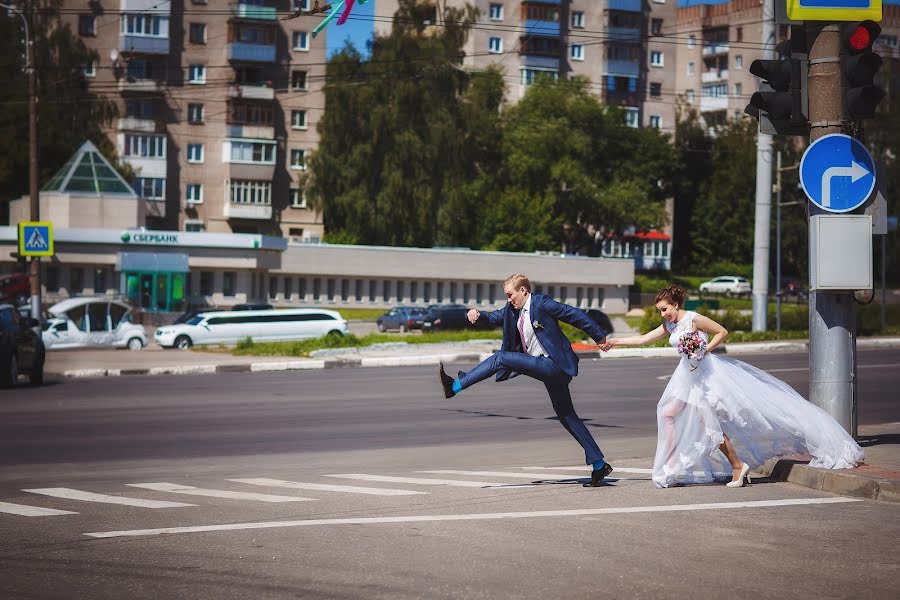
(35, 238)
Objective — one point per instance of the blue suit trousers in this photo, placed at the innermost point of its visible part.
(554, 379)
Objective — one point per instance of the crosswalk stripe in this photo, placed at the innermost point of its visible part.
(195, 491)
(419, 480)
(70, 494)
(324, 487)
(31, 511)
(513, 475)
(616, 469)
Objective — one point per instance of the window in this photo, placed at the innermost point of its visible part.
(298, 119)
(228, 278)
(301, 41)
(76, 285)
(691, 69)
(300, 4)
(656, 26)
(656, 58)
(252, 152)
(576, 52)
(298, 198)
(530, 75)
(197, 33)
(298, 80)
(90, 69)
(739, 34)
(737, 89)
(195, 153)
(197, 74)
(139, 109)
(194, 226)
(656, 121)
(656, 90)
(577, 19)
(495, 45)
(100, 281)
(632, 117)
(495, 12)
(738, 62)
(139, 68)
(692, 41)
(86, 26)
(153, 188)
(255, 114)
(245, 191)
(689, 96)
(144, 25)
(194, 193)
(145, 146)
(273, 287)
(298, 159)
(195, 113)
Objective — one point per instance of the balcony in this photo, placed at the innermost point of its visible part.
(626, 5)
(239, 51)
(138, 124)
(148, 167)
(257, 132)
(713, 103)
(629, 35)
(544, 28)
(253, 12)
(142, 44)
(131, 85)
(714, 76)
(233, 210)
(251, 92)
(623, 68)
(715, 49)
(254, 171)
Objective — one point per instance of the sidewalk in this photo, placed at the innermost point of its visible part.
(878, 479)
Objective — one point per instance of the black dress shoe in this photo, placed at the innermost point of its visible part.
(446, 383)
(597, 475)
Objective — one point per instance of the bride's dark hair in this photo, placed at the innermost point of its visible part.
(673, 295)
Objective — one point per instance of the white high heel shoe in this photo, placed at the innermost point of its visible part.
(745, 468)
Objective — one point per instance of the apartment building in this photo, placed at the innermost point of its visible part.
(218, 102)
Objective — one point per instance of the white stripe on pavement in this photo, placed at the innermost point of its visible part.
(418, 480)
(31, 511)
(70, 494)
(324, 487)
(194, 491)
(513, 475)
(473, 516)
(636, 470)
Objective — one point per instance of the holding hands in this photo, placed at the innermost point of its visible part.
(473, 315)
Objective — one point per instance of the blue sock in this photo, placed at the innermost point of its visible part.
(457, 386)
(599, 464)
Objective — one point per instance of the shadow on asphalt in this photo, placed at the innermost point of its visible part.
(877, 440)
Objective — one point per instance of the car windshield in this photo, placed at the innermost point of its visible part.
(194, 320)
(47, 325)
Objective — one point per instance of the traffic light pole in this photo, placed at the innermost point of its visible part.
(35, 205)
(832, 335)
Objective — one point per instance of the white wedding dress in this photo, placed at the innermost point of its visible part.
(761, 415)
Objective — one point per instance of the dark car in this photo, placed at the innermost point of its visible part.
(21, 348)
(601, 319)
(404, 318)
(448, 317)
(250, 306)
(15, 288)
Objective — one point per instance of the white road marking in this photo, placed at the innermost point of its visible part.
(418, 480)
(615, 469)
(194, 491)
(473, 516)
(514, 475)
(31, 511)
(70, 494)
(324, 487)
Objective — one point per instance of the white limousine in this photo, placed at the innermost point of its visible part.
(229, 327)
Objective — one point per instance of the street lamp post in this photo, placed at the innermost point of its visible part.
(778, 204)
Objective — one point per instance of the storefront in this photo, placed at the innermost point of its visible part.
(154, 281)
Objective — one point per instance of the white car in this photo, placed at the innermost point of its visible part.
(92, 323)
(730, 285)
(230, 327)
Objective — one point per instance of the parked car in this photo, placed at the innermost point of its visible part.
(92, 323)
(15, 288)
(730, 285)
(404, 318)
(21, 349)
(250, 306)
(448, 317)
(601, 319)
(230, 327)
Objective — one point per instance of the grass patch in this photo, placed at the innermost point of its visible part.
(361, 314)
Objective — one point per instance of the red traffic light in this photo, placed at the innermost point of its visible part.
(859, 37)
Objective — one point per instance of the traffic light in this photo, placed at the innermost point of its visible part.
(858, 68)
(780, 106)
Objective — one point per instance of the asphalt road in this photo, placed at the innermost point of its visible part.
(360, 518)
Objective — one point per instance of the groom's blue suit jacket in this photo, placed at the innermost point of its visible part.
(545, 316)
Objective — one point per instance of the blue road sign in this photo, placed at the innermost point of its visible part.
(35, 238)
(833, 10)
(837, 173)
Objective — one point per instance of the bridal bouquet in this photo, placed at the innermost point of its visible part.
(693, 347)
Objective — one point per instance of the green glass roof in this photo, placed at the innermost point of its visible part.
(89, 173)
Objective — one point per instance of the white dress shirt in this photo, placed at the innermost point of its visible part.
(532, 343)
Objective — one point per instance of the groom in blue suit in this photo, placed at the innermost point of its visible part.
(534, 345)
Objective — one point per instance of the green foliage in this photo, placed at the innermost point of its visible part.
(245, 343)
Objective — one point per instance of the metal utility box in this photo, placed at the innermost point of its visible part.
(840, 252)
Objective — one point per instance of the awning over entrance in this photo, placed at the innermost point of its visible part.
(168, 262)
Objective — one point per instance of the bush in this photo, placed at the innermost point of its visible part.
(245, 343)
(725, 267)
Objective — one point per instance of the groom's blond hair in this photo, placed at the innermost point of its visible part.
(518, 280)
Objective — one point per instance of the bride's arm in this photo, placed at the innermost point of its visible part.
(718, 332)
(638, 340)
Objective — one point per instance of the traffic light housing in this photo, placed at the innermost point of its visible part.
(858, 68)
(780, 105)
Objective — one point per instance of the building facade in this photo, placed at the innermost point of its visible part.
(218, 102)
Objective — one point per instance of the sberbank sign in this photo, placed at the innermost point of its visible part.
(149, 237)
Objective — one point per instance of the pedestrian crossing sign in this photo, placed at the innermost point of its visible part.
(834, 10)
(35, 238)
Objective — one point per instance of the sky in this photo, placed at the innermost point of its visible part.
(358, 29)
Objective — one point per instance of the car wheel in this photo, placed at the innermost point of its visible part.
(135, 344)
(403, 328)
(381, 327)
(10, 375)
(336, 332)
(183, 342)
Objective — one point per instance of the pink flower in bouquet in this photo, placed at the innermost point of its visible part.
(692, 345)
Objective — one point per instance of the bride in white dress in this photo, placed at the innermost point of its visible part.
(716, 403)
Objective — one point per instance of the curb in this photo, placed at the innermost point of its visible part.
(865, 481)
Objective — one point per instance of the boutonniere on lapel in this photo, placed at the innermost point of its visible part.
(537, 325)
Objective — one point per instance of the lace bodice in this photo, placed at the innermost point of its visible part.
(679, 328)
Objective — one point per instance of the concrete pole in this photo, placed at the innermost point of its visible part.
(832, 339)
(778, 243)
(763, 217)
(35, 204)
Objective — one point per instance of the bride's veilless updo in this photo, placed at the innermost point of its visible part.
(673, 294)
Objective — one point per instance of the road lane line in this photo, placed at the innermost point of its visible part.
(70, 494)
(472, 516)
(586, 475)
(616, 469)
(194, 491)
(324, 487)
(418, 480)
(31, 511)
